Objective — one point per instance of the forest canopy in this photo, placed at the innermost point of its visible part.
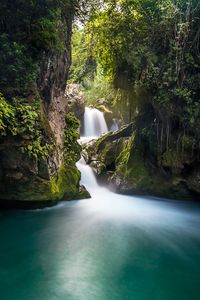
(150, 49)
(30, 30)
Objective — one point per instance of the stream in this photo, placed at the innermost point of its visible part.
(109, 247)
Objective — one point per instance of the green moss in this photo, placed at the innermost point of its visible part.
(140, 178)
(36, 190)
(189, 142)
(134, 172)
(83, 194)
(137, 172)
(102, 139)
(107, 155)
(45, 123)
(171, 158)
(132, 168)
(123, 158)
(72, 149)
(66, 185)
(35, 138)
(63, 186)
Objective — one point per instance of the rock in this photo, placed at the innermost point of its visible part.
(24, 178)
(98, 167)
(89, 151)
(123, 158)
(76, 100)
(12, 175)
(194, 181)
(43, 170)
(83, 193)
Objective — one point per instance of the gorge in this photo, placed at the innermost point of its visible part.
(152, 89)
(99, 150)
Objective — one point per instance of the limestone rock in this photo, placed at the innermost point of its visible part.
(75, 99)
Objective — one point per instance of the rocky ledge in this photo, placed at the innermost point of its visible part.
(128, 163)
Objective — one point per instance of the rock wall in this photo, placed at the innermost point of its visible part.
(31, 181)
(76, 100)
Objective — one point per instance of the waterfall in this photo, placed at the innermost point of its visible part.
(88, 178)
(94, 123)
(114, 126)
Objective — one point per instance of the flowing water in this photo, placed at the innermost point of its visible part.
(115, 125)
(110, 247)
(94, 123)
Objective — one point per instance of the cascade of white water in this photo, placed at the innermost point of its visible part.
(88, 178)
(94, 123)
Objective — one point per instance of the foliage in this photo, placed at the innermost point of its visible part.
(28, 30)
(149, 51)
(99, 89)
(7, 117)
(23, 120)
(18, 71)
(83, 67)
(71, 147)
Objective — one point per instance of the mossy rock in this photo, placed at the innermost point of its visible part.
(132, 166)
(63, 186)
(136, 176)
(132, 173)
(171, 158)
(83, 193)
(194, 181)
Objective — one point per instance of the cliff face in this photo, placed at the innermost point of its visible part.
(76, 100)
(34, 166)
(51, 85)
